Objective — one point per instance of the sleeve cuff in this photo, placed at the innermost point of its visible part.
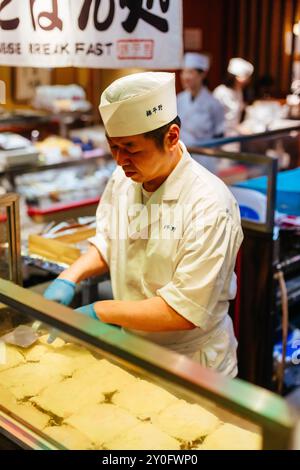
(102, 246)
(185, 307)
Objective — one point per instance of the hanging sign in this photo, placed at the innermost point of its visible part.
(91, 33)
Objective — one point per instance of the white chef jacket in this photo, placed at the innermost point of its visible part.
(233, 103)
(202, 118)
(188, 261)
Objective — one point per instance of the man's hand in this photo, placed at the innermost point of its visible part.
(61, 291)
(88, 310)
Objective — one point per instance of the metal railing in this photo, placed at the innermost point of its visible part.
(248, 137)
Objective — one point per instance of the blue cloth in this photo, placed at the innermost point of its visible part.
(292, 348)
(61, 291)
(287, 193)
(88, 310)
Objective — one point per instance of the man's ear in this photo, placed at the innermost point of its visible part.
(172, 137)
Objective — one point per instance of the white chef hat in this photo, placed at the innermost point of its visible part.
(194, 60)
(240, 67)
(138, 103)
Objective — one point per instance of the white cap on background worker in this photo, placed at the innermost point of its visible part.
(240, 68)
(194, 60)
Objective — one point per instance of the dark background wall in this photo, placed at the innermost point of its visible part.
(253, 29)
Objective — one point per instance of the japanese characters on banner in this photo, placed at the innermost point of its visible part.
(91, 33)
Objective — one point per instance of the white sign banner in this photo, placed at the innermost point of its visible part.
(91, 33)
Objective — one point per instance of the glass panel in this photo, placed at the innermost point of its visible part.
(4, 237)
(49, 188)
(245, 169)
(83, 398)
(284, 146)
(247, 180)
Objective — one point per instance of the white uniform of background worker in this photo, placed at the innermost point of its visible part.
(202, 116)
(230, 94)
(168, 231)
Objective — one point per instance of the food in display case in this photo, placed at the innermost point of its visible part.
(94, 404)
(69, 437)
(186, 422)
(66, 193)
(13, 358)
(64, 242)
(139, 437)
(28, 379)
(25, 411)
(55, 147)
(90, 138)
(98, 387)
(230, 437)
(143, 399)
(102, 422)
(16, 150)
(67, 397)
(61, 98)
(65, 185)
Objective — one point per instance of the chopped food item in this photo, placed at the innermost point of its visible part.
(69, 437)
(145, 436)
(230, 437)
(186, 421)
(143, 399)
(35, 353)
(68, 397)
(108, 377)
(25, 411)
(29, 379)
(10, 357)
(68, 359)
(7, 399)
(31, 415)
(102, 423)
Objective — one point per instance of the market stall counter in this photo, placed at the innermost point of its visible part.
(97, 387)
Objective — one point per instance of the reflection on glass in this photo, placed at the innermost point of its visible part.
(78, 397)
(4, 255)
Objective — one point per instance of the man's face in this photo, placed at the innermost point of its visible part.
(243, 81)
(191, 79)
(140, 158)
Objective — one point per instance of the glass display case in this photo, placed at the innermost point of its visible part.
(269, 201)
(283, 143)
(98, 387)
(280, 142)
(10, 246)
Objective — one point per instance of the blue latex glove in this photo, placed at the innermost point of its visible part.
(88, 310)
(61, 291)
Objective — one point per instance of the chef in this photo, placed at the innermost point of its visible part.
(230, 94)
(168, 231)
(202, 116)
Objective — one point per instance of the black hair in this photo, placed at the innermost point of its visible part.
(204, 80)
(230, 80)
(264, 86)
(158, 135)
